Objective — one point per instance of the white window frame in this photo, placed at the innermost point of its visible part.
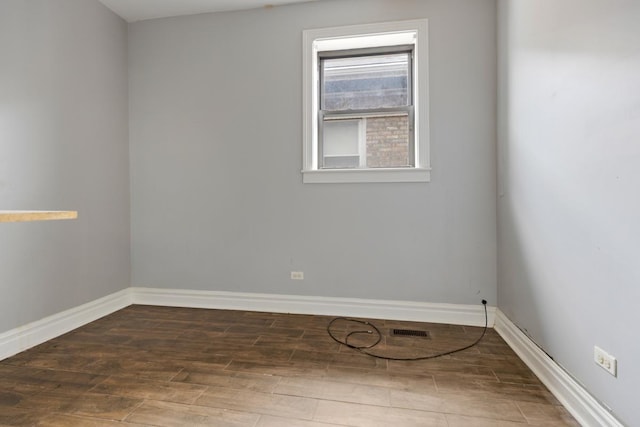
(366, 36)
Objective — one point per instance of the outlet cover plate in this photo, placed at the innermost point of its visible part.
(605, 361)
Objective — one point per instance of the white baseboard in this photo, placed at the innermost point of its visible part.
(456, 314)
(24, 337)
(584, 407)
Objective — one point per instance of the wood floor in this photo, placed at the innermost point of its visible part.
(161, 366)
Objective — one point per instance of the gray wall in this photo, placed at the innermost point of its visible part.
(63, 145)
(216, 152)
(569, 229)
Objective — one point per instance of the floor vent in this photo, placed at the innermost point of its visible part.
(410, 333)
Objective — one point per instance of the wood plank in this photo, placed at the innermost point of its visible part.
(142, 366)
(22, 216)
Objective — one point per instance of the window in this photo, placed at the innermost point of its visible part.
(366, 111)
(365, 99)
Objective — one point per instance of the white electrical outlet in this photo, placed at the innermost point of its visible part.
(297, 275)
(605, 361)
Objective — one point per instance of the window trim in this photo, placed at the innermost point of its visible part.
(358, 37)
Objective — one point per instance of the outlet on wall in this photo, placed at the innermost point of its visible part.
(605, 361)
(297, 275)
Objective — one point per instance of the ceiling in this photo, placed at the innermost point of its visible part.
(138, 10)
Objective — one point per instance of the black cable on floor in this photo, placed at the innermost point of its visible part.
(364, 348)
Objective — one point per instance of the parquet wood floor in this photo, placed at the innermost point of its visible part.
(162, 366)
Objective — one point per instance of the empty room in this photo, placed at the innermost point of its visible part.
(319, 212)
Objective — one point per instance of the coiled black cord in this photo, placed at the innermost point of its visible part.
(364, 348)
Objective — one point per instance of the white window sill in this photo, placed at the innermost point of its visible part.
(334, 176)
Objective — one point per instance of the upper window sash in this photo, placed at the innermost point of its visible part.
(367, 52)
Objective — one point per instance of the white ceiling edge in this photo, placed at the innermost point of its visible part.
(139, 10)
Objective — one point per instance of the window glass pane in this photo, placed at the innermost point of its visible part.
(341, 162)
(340, 137)
(365, 82)
(373, 141)
(341, 143)
(388, 141)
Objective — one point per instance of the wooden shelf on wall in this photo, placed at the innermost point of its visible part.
(21, 216)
